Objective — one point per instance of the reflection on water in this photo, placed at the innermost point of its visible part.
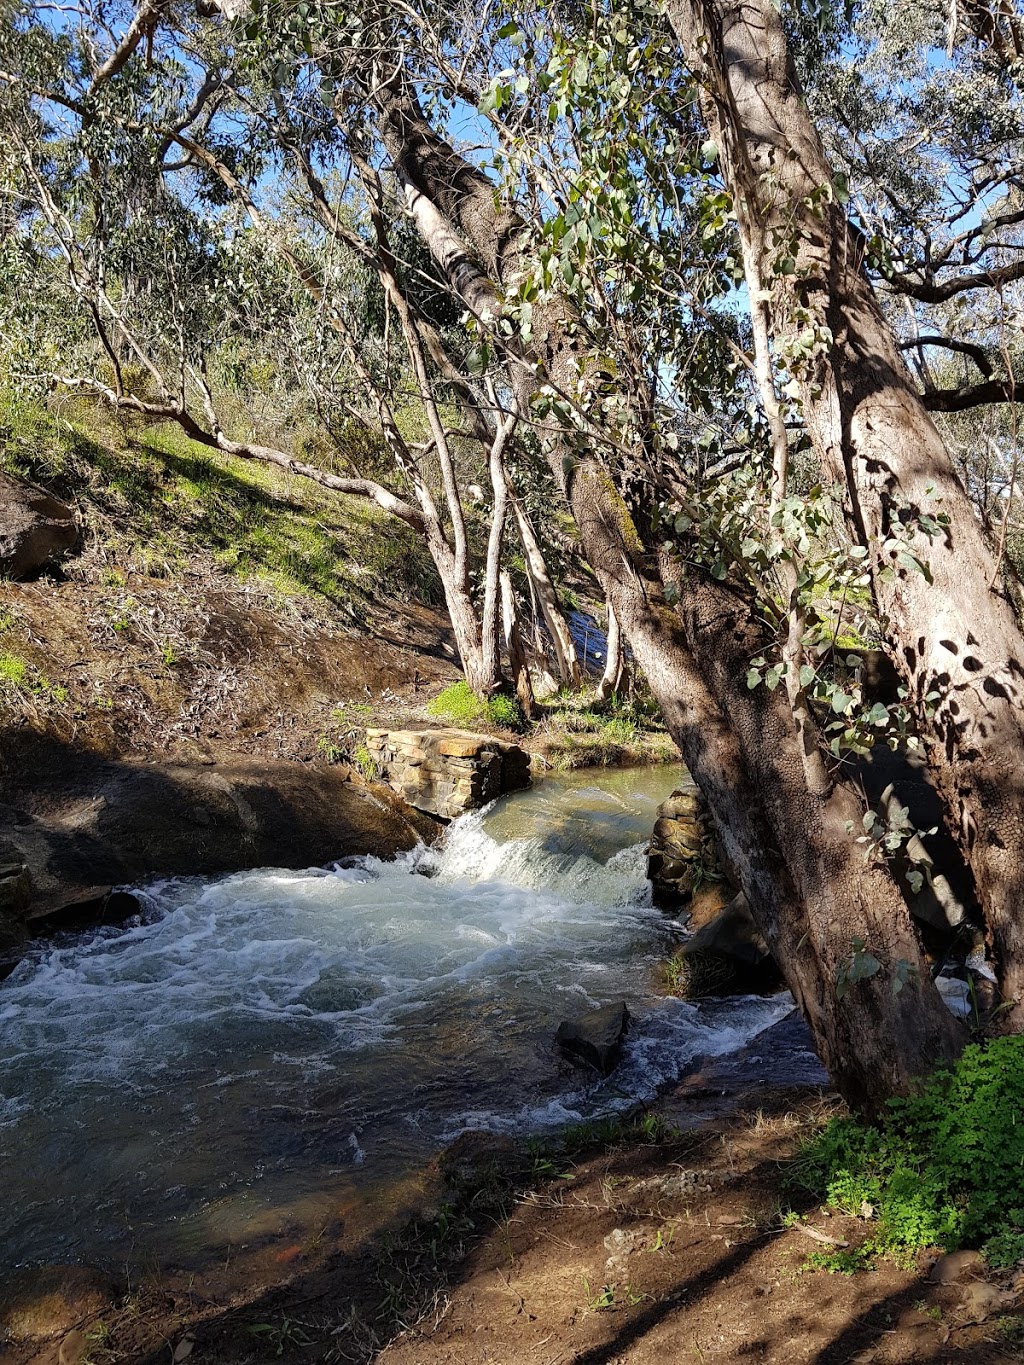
(270, 1047)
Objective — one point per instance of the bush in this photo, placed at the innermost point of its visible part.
(943, 1168)
(459, 705)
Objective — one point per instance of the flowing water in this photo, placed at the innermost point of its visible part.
(264, 1047)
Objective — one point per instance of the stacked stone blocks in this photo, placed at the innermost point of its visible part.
(447, 772)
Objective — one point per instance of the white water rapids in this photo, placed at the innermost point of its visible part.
(262, 1043)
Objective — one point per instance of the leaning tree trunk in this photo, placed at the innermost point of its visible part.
(953, 633)
(810, 890)
(810, 893)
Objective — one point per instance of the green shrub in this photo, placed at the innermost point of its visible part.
(506, 712)
(943, 1168)
(366, 763)
(459, 705)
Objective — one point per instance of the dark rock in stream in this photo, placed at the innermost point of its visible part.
(595, 1038)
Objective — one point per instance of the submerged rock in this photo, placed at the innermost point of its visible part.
(595, 1038)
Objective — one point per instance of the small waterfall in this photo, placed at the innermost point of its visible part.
(263, 1045)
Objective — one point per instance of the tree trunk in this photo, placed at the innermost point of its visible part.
(821, 909)
(570, 673)
(615, 664)
(516, 651)
(490, 639)
(811, 893)
(953, 633)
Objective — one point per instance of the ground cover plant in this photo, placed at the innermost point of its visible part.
(943, 1168)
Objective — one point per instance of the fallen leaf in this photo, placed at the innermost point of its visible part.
(980, 1300)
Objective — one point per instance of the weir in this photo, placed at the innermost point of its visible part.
(263, 1050)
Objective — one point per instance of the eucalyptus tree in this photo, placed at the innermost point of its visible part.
(163, 219)
(554, 303)
(951, 628)
(591, 250)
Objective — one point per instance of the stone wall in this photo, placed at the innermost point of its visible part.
(447, 772)
(682, 850)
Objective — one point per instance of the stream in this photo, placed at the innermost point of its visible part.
(267, 1051)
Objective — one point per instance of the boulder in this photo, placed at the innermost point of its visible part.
(595, 1038)
(15, 888)
(681, 853)
(15, 899)
(730, 951)
(35, 528)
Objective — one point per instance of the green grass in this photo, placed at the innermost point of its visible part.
(944, 1168)
(13, 670)
(691, 976)
(583, 732)
(157, 498)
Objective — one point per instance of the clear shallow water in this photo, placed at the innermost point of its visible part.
(266, 1048)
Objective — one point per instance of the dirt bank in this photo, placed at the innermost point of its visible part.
(633, 1246)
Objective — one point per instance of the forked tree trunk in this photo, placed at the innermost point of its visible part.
(953, 633)
(811, 894)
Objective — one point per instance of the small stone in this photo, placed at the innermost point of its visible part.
(958, 1265)
(680, 805)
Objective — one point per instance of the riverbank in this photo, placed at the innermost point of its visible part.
(627, 1242)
